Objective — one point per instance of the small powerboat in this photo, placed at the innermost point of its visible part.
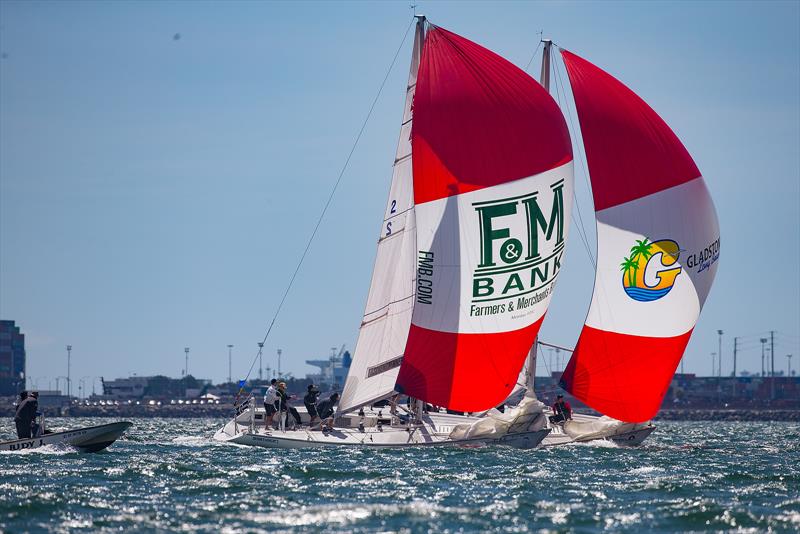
(85, 439)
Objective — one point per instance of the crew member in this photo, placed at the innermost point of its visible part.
(25, 414)
(562, 411)
(283, 397)
(270, 400)
(310, 402)
(326, 409)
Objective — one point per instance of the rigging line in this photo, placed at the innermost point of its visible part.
(534, 53)
(333, 191)
(560, 85)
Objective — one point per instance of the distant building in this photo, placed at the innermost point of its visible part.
(126, 388)
(49, 399)
(12, 358)
(137, 387)
(333, 370)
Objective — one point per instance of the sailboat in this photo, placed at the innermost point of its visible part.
(656, 220)
(471, 246)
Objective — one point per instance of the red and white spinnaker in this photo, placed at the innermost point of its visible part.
(493, 187)
(657, 249)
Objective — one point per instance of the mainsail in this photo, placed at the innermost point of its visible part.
(657, 249)
(387, 317)
(492, 186)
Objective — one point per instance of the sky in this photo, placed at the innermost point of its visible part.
(162, 165)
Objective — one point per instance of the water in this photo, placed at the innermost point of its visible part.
(168, 475)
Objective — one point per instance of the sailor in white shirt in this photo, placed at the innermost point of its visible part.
(270, 400)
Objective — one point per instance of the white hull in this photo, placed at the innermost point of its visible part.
(622, 434)
(87, 439)
(618, 432)
(248, 429)
(386, 439)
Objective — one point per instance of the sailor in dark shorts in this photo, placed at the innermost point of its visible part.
(270, 402)
(310, 402)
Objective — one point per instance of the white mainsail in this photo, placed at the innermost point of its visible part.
(387, 316)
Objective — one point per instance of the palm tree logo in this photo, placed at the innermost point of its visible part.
(629, 267)
(639, 252)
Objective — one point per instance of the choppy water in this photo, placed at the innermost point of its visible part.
(168, 475)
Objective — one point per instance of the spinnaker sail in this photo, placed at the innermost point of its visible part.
(657, 249)
(493, 188)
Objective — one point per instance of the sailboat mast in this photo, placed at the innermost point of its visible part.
(530, 377)
(421, 32)
(544, 77)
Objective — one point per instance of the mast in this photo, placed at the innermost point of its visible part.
(530, 377)
(544, 77)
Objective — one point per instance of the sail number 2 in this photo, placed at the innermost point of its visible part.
(392, 209)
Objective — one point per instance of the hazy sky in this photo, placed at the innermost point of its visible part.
(156, 190)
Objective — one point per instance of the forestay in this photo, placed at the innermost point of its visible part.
(657, 249)
(493, 183)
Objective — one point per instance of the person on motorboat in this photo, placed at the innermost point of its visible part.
(562, 411)
(270, 403)
(310, 402)
(37, 422)
(25, 414)
(326, 409)
(283, 398)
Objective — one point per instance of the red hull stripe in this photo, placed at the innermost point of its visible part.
(455, 370)
(479, 121)
(623, 376)
(630, 150)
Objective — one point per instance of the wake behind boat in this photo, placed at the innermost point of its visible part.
(85, 439)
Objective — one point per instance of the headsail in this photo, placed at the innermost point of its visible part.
(493, 182)
(387, 318)
(655, 221)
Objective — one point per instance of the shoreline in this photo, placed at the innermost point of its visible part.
(226, 411)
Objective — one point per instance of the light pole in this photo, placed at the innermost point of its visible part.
(719, 368)
(713, 363)
(279, 363)
(763, 340)
(260, 368)
(229, 363)
(186, 364)
(69, 359)
(788, 365)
